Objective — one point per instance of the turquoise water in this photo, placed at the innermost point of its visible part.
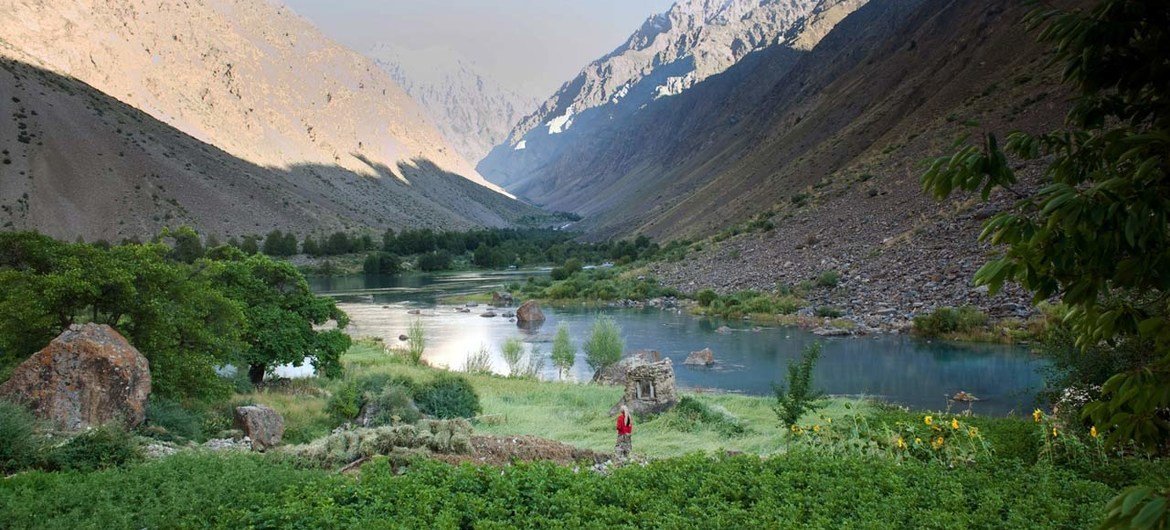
(899, 369)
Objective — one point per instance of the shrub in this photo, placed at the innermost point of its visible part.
(177, 421)
(434, 261)
(605, 344)
(691, 414)
(513, 353)
(828, 312)
(98, 448)
(948, 320)
(564, 354)
(394, 402)
(448, 396)
(705, 297)
(345, 404)
(798, 397)
(479, 361)
(828, 279)
(381, 263)
(19, 445)
(416, 343)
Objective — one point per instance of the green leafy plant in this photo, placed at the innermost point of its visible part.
(798, 397)
(828, 279)
(98, 448)
(448, 396)
(20, 446)
(564, 354)
(513, 352)
(479, 361)
(416, 343)
(947, 320)
(394, 404)
(605, 345)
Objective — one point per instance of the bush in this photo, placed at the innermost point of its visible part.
(564, 354)
(705, 297)
(605, 345)
(798, 397)
(434, 261)
(828, 312)
(19, 445)
(381, 263)
(98, 448)
(691, 414)
(416, 343)
(828, 279)
(479, 361)
(394, 401)
(513, 353)
(948, 320)
(178, 422)
(448, 396)
(347, 401)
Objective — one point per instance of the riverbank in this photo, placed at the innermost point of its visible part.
(851, 464)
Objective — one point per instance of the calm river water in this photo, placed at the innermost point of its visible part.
(895, 368)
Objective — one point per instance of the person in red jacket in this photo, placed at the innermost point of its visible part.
(625, 427)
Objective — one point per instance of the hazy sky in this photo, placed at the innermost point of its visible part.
(532, 44)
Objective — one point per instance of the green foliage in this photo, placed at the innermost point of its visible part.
(434, 261)
(394, 404)
(828, 312)
(98, 448)
(185, 244)
(479, 361)
(346, 402)
(948, 320)
(571, 266)
(280, 315)
(1097, 233)
(1139, 507)
(178, 422)
(381, 263)
(448, 396)
(801, 489)
(946, 440)
(279, 244)
(691, 414)
(19, 446)
(828, 279)
(564, 353)
(513, 352)
(744, 303)
(416, 343)
(705, 297)
(605, 345)
(798, 398)
(171, 312)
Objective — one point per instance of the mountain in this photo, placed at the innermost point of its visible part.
(472, 110)
(236, 116)
(671, 53)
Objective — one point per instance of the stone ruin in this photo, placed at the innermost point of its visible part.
(650, 389)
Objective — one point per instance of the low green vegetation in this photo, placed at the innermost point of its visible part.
(605, 345)
(797, 397)
(969, 324)
(759, 306)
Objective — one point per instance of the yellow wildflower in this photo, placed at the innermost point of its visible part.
(972, 432)
(1093, 431)
(816, 428)
(917, 441)
(901, 443)
(937, 443)
(1054, 432)
(1037, 415)
(928, 420)
(955, 424)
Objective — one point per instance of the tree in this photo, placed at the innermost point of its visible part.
(798, 397)
(273, 243)
(281, 316)
(389, 241)
(337, 244)
(311, 247)
(249, 245)
(185, 244)
(605, 345)
(564, 354)
(381, 263)
(182, 323)
(434, 261)
(1097, 233)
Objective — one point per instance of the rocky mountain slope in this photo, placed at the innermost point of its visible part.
(246, 115)
(473, 111)
(668, 55)
(806, 159)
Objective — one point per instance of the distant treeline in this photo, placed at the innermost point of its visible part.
(430, 250)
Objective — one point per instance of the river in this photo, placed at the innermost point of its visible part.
(899, 369)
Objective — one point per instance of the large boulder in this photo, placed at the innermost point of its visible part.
(261, 424)
(703, 357)
(529, 312)
(88, 376)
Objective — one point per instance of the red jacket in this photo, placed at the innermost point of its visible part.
(624, 426)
